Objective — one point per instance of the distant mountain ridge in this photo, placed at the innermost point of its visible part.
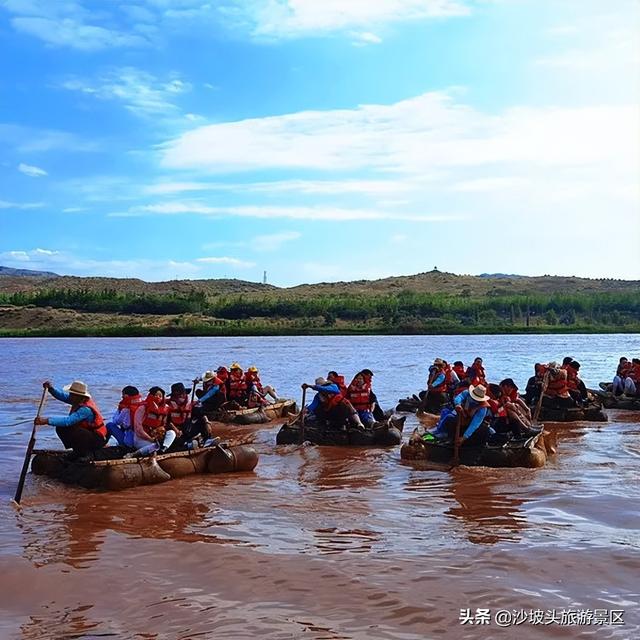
(26, 273)
(437, 282)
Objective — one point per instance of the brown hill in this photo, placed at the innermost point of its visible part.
(429, 282)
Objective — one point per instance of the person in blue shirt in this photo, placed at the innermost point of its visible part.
(472, 407)
(83, 430)
(329, 404)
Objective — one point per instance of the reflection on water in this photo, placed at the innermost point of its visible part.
(317, 542)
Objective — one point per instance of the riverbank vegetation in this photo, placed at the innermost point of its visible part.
(109, 312)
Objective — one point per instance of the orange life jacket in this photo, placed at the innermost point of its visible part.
(360, 396)
(237, 388)
(97, 424)
(178, 413)
(476, 375)
(339, 381)
(131, 403)
(155, 417)
(557, 386)
(572, 378)
(253, 379)
(460, 372)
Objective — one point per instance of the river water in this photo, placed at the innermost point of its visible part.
(322, 542)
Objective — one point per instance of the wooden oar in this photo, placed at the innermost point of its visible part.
(423, 403)
(456, 443)
(30, 446)
(536, 413)
(302, 412)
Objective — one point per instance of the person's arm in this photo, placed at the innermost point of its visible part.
(137, 424)
(439, 379)
(59, 394)
(327, 388)
(476, 421)
(210, 393)
(83, 413)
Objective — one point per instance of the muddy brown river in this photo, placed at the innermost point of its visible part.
(322, 542)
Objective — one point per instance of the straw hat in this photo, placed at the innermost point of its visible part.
(79, 388)
(478, 393)
(253, 369)
(321, 382)
(208, 375)
(438, 362)
(235, 365)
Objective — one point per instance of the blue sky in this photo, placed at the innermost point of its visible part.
(320, 141)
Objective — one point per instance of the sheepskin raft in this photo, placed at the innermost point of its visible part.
(383, 434)
(257, 415)
(531, 453)
(612, 401)
(116, 474)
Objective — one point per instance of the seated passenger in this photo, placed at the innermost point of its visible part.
(214, 391)
(121, 424)
(256, 393)
(333, 376)
(330, 405)
(515, 415)
(556, 390)
(623, 381)
(83, 430)
(184, 417)
(534, 385)
(475, 374)
(150, 431)
(577, 388)
(376, 409)
(436, 395)
(359, 395)
(472, 407)
(237, 386)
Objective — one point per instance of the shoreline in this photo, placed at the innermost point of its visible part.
(195, 332)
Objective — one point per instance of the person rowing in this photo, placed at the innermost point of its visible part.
(330, 405)
(83, 430)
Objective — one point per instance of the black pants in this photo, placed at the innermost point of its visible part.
(82, 441)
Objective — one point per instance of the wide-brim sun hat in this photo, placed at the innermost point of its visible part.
(321, 382)
(79, 388)
(208, 375)
(438, 361)
(235, 365)
(478, 393)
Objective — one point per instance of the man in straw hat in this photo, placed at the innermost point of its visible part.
(83, 430)
(472, 407)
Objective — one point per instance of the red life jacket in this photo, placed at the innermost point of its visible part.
(634, 373)
(557, 386)
(237, 388)
(445, 384)
(330, 400)
(625, 369)
(97, 424)
(222, 387)
(476, 375)
(460, 372)
(178, 413)
(131, 403)
(155, 417)
(339, 380)
(359, 396)
(572, 378)
(253, 379)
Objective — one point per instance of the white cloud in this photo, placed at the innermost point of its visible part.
(362, 38)
(4, 204)
(31, 171)
(273, 241)
(69, 32)
(233, 262)
(33, 140)
(139, 91)
(65, 263)
(418, 136)
(295, 18)
(287, 212)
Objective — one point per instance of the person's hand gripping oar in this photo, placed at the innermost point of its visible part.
(30, 447)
